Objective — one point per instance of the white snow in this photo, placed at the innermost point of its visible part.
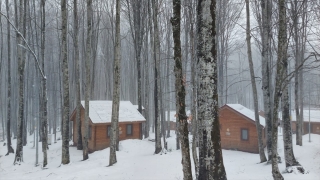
(314, 115)
(136, 161)
(247, 112)
(101, 112)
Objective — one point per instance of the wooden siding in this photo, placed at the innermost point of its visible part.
(231, 123)
(315, 127)
(99, 139)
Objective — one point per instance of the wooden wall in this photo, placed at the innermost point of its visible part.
(99, 139)
(231, 124)
(315, 127)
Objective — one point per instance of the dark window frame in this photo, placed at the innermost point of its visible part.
(131, 133)
(108, 131)
(241, 137)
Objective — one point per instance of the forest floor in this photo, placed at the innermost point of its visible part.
(137, 161)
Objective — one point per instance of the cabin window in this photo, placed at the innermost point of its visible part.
(108, 131)
(244, 134)
(129, 129)
(90, 131)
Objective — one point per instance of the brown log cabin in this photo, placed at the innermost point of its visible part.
(314, 121)
(238, 129)
(130, 123)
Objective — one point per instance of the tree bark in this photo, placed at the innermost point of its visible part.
(77, 60)
(116, 90)
(88, 86)
(158, 147)
(210, 154)
(44, 84)
(66, 110)
(8, 129)
(281, 62)
(254, 87)
(21, 61)
(181, 92)
(266, 76)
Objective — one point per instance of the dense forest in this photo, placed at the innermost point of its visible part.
(162, 56)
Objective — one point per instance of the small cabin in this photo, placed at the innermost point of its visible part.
(130, 123)
(314, 121)
(238, 128)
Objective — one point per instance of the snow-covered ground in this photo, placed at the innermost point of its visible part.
(137, 161)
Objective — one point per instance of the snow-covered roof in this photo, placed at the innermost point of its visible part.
(101, 111)
(247, 112)
(314, 115)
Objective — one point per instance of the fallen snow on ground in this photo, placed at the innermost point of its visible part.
(137, 161)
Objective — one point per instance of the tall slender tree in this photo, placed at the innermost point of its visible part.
(254, 87)
(210, 154)
(88, 87)
(66, 111)
(44, 125)
(282, 45)
(156, 54)
(8, 129)
(21, 60)
(116, 90)
(77, 60)
(181, 92)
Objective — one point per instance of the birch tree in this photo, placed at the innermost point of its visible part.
(116, 90)
(181, 92)
(210, 154)
(254, 87)
(65, 121)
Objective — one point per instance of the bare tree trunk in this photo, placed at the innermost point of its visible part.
(265, 38)
(44, 88)
(9, 147)
(116, 90)
(21, 61)
(210, 154)
(287, 135)
(281, 62)
(158, 147)
(181, 92)
(77, 60)
(88, 87)
(254, 87)
(66, 110)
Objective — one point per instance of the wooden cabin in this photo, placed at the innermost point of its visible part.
(238, 129)
(172, 119)
(130, 123)
(314, 121)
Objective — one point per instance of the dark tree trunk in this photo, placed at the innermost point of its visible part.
(21, 61)
(66, 110)
(9, 147)
(181, 92)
